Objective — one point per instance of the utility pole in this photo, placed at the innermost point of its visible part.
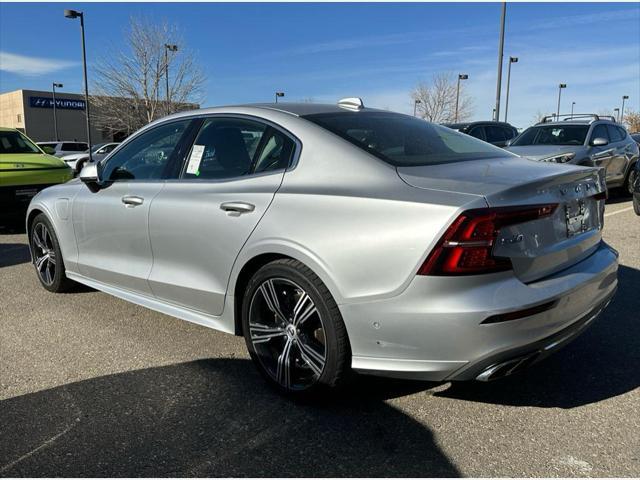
(560, 87)
(500, 56)
(55, 119)
(168, 48)
(461, 76)
(506, 103)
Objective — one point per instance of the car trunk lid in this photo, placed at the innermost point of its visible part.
(540, 247)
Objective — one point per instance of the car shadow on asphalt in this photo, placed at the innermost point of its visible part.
(13, 254)
(602, 363)
(214, 417)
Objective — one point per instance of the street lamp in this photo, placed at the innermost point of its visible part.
(616, 112)
(572, 105)
(415, 106)
(168, 48)
(75, 14)
(506, 103)
(55, 120)
(462, 76)
(279, 94)
(560, 87)
(624, 97)
(496, 115)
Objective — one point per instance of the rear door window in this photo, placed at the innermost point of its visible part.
(614, 133)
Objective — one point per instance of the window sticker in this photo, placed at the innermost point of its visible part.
(193, 167)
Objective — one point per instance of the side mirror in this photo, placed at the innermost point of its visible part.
(599, 142)
(90, 174)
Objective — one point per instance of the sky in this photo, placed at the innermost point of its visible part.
(376, 51)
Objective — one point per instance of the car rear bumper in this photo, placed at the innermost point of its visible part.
(434, 330)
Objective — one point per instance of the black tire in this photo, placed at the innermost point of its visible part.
(629, 182)
(43, 242)
(79, 165)
(323, 331)
(636, 203)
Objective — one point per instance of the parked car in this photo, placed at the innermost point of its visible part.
(495, 133)
(346, 238)
(587, 140)
(98, 152)
(60, 149)
(25, 170)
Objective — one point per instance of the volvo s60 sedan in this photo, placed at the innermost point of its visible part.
(337, 238)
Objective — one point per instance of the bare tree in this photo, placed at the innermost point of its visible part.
(437, 99)
(632, 121)
(130, 84)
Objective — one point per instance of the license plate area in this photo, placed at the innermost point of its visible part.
(578, 216)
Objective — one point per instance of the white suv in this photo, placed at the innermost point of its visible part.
(60, 149)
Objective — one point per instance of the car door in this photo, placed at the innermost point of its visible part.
(602, 155)
(111, 223)
(199, 222)
(618, 163)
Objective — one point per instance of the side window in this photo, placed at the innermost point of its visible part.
(495, 134)
(510, 133)
(68, 147)
(233, 147)
(614, 133)
(477, 132)
(623, 132)
(146, 156)
(275, 154)
(599, 131)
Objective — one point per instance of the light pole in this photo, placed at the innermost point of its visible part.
(572, 105)
(168, 48)
(55, 119)
(462, 76)
(616, 114)
(506, 103)
(496, 116)
(560, 87)
(76, 14)
(415, 106)
(624, 97)
(279, 94)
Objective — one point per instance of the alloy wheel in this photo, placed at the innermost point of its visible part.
(44, 253)
(631, 181)
(287, 333)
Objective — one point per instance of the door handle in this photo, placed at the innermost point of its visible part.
(131, 201)
(237, 208)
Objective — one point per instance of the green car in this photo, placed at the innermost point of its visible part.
(25, 170)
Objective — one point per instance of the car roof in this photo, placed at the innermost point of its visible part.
(478, 122)
(298, 109)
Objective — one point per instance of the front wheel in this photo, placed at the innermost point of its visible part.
(46, 255)
(293, 329)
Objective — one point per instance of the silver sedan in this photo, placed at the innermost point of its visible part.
(337, 238)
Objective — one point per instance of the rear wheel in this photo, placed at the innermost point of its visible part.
(293, 329)
(47, 257)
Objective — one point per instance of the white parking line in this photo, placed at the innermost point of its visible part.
(618, 211)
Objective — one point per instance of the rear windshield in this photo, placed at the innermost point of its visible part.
(405, 141)
(552, 135)
(14, 142)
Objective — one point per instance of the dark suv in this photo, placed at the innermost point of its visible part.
(582, 139)
(495, 133)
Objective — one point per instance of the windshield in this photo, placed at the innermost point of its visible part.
(552, 135)
(15, 142)
(405, 141)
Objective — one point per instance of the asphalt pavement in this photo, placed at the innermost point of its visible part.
(93, 386)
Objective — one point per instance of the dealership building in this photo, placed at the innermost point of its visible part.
(32, 112)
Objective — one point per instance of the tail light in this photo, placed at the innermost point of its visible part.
(466, 247)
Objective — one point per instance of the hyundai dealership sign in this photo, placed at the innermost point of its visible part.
(46, 102)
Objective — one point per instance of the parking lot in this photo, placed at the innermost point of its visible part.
(93, 386)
